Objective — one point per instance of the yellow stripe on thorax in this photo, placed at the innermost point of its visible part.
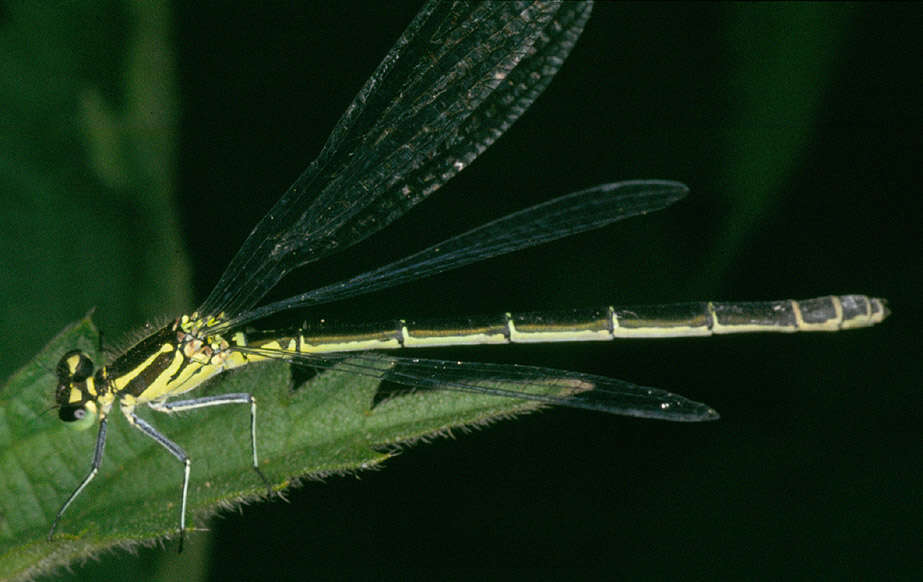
(125, 379)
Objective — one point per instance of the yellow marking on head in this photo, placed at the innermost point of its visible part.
(75, 395)
(73, 362)
(91, 386)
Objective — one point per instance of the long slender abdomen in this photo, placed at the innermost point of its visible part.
(830, 313)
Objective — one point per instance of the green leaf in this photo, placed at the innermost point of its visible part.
(327, 425)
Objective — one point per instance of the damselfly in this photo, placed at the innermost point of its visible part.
(456, 79)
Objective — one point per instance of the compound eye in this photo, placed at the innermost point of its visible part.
(75, 366)
(72, 413)
(78, 416)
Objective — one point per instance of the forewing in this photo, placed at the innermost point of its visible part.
(456, 79)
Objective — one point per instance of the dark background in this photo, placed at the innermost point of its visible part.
(798, 130)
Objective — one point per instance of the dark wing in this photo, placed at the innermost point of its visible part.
(546, 385)
(457, 78)
(564, 216)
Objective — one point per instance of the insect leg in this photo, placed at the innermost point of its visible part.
(217, 400)
(94, 469)
(178, 452)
